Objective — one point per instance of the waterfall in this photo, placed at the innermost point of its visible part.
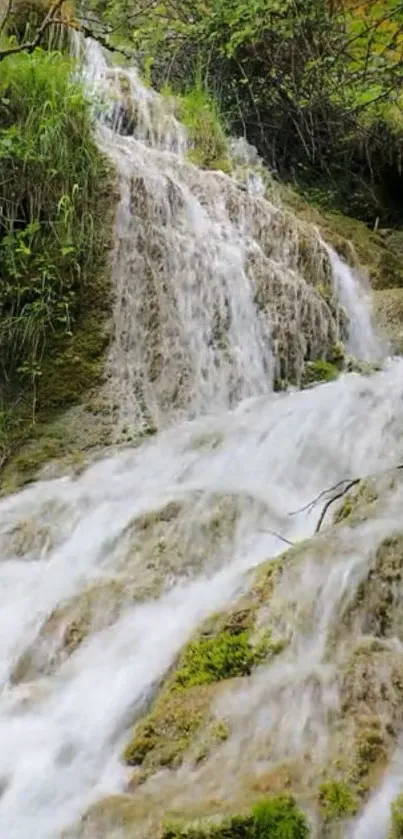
(106, 575)
(218, 291)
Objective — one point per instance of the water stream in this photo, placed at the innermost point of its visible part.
(195, 356)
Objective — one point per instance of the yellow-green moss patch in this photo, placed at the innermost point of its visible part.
(396, 825)
(337, 800)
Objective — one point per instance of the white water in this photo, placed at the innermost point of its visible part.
(62, 732)
(217, 289)
(356, 299)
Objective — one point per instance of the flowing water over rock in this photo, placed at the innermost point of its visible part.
(105, 576)
(218, 291)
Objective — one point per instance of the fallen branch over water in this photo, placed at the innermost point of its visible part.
(278, 535)
(330, 501)
(338, 490)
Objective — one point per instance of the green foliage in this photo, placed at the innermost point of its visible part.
(396, 828)
(53, 215)
(273, 818)
(222, 656)
(337, 800)
(319, 371)
(293, 75)
(199, 112)
(50, 171)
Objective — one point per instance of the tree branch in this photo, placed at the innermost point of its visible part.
(330, 501)
(102, 40)
(30, 46)
(278, 536)
(78, 25)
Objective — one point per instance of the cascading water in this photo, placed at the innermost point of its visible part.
(210, 294)
(218, 291)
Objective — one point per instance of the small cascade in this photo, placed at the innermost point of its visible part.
(355, 296)
(219, 293)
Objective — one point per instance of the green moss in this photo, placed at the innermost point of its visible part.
(222, 656)
(274, 818)
(337, 800)
(380, 592)
(377, 252)
(345, 510)
(200, 114)
(396, 826)
(162, 738)
(319, 371)
(223, 650)
(359, 497)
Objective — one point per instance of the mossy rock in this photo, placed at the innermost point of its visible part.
(356, 243)
(316, 372)
(355, 502)
(371, 707)
(278, 818)
(115, 815)
(388, 310)
(380, 595)
(224, 649)
(183, 707)
(163, 737)
(337, 800)
(70, 624)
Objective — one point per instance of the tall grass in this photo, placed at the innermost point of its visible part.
(49, 217)
(200, 113)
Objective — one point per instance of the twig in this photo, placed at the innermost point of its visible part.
(335, 498)
(89, 33)
(278, 535)
(313, 503)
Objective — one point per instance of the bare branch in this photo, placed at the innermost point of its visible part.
(78, 25)
(330, 501)
(102, 40)
(30, 46)
(322, 494)
(278, 536)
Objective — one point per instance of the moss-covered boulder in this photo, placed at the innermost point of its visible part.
(181, 720)
(388, 309)
(274, 818)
